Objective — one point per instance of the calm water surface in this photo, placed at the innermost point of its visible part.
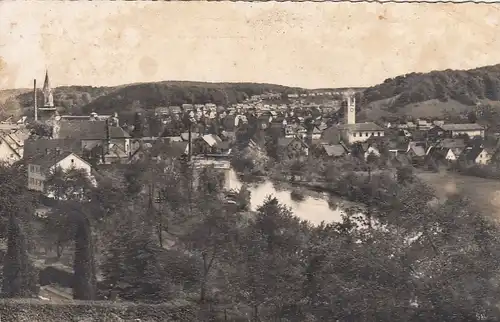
(315, 210)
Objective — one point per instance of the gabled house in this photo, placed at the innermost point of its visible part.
(416, 152)
(210, 144)
(371, 150)
(476, 155)
(316, 133)
(12, 145)
(40, 166)
(449, 149)
(332, 150)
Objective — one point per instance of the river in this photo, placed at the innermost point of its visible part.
(314, 210)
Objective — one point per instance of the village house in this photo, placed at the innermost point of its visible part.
(331, 151)
(210, 144)
(416, 152)
(104, 138)
(451, 148)
(454, 130)
(476, 155)
(371, 150)
(42, 165)
(93, 133)
(360, 132)
(12, 145)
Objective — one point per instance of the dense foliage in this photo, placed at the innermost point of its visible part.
(466, 87)
(162, 231)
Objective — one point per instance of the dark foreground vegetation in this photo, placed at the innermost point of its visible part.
(102, 311)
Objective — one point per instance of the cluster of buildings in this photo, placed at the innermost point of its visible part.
(207, 134)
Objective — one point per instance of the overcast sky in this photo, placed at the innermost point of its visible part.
(301, 44)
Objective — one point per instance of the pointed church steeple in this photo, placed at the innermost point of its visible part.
(48, 99)
(46, 82)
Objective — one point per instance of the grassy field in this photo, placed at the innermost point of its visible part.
(485, 193)
(430, 109)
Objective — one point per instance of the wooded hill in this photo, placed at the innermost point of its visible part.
(433, 94)
(133, 97)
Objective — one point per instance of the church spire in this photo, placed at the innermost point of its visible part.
(46, 83)
(48, 99)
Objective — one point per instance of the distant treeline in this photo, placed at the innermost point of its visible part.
(464, 86)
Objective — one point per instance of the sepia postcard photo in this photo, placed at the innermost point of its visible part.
(249, 161)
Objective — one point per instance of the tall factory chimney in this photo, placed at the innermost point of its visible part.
(34, 99)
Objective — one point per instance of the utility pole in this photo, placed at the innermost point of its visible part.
(34, 99)
(160, 199)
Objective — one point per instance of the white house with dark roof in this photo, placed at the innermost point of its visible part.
(41, 165)
(477, 155)
(360, 132)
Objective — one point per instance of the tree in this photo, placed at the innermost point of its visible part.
(132, 267)
(211, 238)
(59, 230)
(85, 282)
(268, 268)
(371, 161)
(11, 107)
(19, 276)
(73, 192)
(41, 130)
(404, 174)
(138, 131)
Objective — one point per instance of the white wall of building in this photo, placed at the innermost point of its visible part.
(36, 177)
(351, 110)
(471, 134)
(354, 137)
